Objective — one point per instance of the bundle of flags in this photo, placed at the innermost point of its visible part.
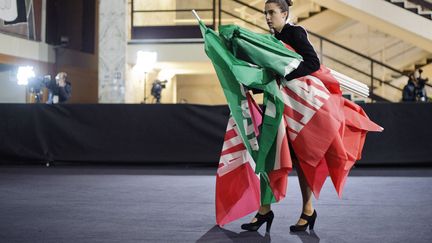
(326, 131)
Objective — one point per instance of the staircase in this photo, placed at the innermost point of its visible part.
(422, 63)
(363, 41)
(420, 7)
(305, 11)
(364, 64)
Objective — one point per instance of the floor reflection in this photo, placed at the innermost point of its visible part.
(307, 237)
(218, 234)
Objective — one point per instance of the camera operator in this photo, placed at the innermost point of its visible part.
(421, 91)
(409, 92)
(60, 90)
(156, 89)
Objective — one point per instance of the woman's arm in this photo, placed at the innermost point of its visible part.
(299, 41)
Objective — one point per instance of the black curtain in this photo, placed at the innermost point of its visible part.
(178, 133)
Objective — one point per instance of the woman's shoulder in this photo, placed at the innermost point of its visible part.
(291, 33)
(296, 33)
(292, 28)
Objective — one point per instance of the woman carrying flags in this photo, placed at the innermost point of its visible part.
(276, 14)
(306, 121)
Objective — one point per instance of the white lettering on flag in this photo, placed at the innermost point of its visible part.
(270, 110)
(312, 93)
(281, 136)
(296, 126)
(245, 109)
(291, 66)
(309, 93)
(254, 144)
(248, 125)
(230, 161)
(299, 107)
(8, 10)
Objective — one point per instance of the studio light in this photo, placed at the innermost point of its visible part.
(145, 63)
(24, 74)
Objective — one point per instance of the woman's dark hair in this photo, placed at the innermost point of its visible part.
(283, 4)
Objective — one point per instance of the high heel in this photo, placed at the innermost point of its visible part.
(261, 219)
(310, 222)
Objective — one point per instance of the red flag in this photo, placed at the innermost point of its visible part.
(237, 185)
(282, 165)
(326, 130)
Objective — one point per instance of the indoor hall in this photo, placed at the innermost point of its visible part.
(127, 121)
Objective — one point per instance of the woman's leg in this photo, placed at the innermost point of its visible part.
(306, 193)
(264, 209)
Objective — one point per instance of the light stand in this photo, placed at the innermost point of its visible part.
(145, 63)
(145, 87)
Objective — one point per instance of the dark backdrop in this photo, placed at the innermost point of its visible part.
(75, 19)
(177, 133)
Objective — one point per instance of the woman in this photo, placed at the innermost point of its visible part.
(276, 14)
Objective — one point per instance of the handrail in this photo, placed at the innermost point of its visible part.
(356, 52)
(319, 36)
(423, 3)
(322, 38)
(172, 10)
(244, 20)
(373, 63)
(362, 72)
(247, 5)
(362, 55)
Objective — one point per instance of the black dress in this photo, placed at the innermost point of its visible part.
(296, 37)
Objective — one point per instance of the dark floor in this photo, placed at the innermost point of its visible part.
(176, 204)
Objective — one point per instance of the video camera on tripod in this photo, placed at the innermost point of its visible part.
(36, 85)
(156, 89)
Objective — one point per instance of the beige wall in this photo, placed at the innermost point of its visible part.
(135, 87)
(10, 91)
(427, 72)
(199, 89)
(169, 94)
(203, 89)
(154, 19)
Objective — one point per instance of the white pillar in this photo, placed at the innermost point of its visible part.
(43, 22)
(112, 50)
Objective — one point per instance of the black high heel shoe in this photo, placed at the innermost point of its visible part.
(310, 222)
(261, 219)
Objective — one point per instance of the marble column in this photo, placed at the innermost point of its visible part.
(112, 50)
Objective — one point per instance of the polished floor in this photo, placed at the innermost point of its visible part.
(176, 204)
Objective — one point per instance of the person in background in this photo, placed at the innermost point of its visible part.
(409, 91)
(59, 91)
(421, 91)
(156, 90)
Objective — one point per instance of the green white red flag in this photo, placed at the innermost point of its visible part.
(326, 131)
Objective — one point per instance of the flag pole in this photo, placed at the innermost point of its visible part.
(196, 15)
(351, 84)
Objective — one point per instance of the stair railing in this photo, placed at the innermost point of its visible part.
(374, 64)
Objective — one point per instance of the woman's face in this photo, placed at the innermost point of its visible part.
(275, 17)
